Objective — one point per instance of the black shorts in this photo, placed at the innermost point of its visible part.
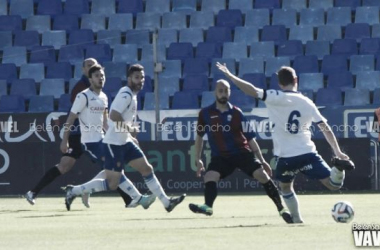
(75, 147)
(225, 166)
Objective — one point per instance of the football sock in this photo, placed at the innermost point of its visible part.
(336, 177)
(273, 193)
(93, 186)
(155, 187)
(100, 175)
(292, 204)
(48, 178)
(127, 187)
(127, 199)
(211, 192)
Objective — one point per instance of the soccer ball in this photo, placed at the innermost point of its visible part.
(343, 212)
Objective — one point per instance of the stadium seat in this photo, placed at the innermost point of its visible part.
(130, 6)
(329, 33)
(125, 53)
(367, 14)
(191, 35)
(376, 96)
(229, 18)
(185, 100)
(235, 50)
(168, 84)
(257, 18)
(360, 63)
(34, 71)
(208, 51)
(328, 97)
(230, 62)
(276, 33)
(306, 64)
(3, 88)
(10, 23)
(120, 22)
(174, 20)
(16, 55)
(39, 104)
(101, 52)
(334, 64)
(49, 7)
(29, 39)
(246, 34)
(81, 38)
(312, 17)
(56, 38)
(309, 93)
(149, 72)
(112, 86)
(313, 81)
(148, 21)
(287, 17)
(172, 68)
(180, 51)
(353, 4)
(220, 76)
(346, 47)
(12, 104)
(59, 70)
(42, 54)
(110, 37)
(297, 5)
(273, 82)
(38, 23)
(321, 4)
(375, 30)
(267, 4)
(115, 69)
(356, 97)
(23, 87)
(244, 102)
(93, 22)
(357, 31)
(147, 52)
(64, 103)
(317, 48)
(8, 72)
(371, 3)
(71, 54)
(338, 16)
(218, 35)
(78, 73)
(262, 49)
(291, 49)
(5, 39)
(243, 5)
(208, 98)
(103, 7)
(186, 6)
(66, 22)
(195, 66)
(370, 46)
(302, 33)
(196, 84)
(274, 64)
(77, 7)
(202, 19)
(167, 36)
(139, 37)
(157, 6)
(213, 5)
(368, 80)
(23, 8)
(150, 102)
(3, 7)
(251, 65)
(341, 80)
(52, 87)
(257, 79)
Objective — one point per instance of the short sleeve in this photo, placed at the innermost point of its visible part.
(79, 103)
(122, 101)
(272, 96)
(317, 116)
(201, 124)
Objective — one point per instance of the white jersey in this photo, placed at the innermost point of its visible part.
(124, 103)
(291, 114)
(90, 109)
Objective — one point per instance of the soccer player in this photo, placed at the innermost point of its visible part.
(292, 115)
(69, 158)
(90, 108)
(231, 148)
(122, 148)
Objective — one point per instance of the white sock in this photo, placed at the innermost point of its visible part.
(127, 186)
(100, 175)
(336, 177)
(93, 186)
(292, 204)
(155, 187)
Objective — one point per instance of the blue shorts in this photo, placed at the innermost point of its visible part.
(312, 165)
(95, 150)
(118, 155)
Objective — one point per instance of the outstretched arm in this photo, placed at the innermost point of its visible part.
(330, 137)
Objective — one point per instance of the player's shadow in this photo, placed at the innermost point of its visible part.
(14, 211)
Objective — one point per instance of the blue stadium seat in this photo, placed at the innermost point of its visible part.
(329, 33)
(243, 5)
(348, 3)
(191, 35)
(5, 39)
(195, 66)
(229, 18)
(157, 6)
(213, 5)
(356, 97)
(115, 69)
(167, 36)
(370, 46)
(148, 21)
(317, 48)
(220, 76)
(71, 54)
(16, 55)
(41, 104)
(42, 54)
(367, 14)
(64, 103)
(218, 35)
(139, 37)
(371, 3)
(262, 49)
(81, 38)
(12, 104)
(306, 64)
(274, 64)
(172, 68)
(121, 22)
(328, 97)
(208, 98)
(231, 65)
(246, 34)
(321, 4)
(23, 87)
(8, 72)
(3, 7)
(297, 5)
(59, 70)
(34, 71)
(334, 64)
(273, 82)
(376, 30)
(291, 49)
(29, 39)
(357, 31)
(38, 23)
(208, 51)
(257, 18)
(49, 7)
(78, 72)
(101, 52)
(130, 6)
(312, 17)
(93, 22)
(174, 20)
(185, 100)
(346, 47)
(202, 19)
(196, 84)
(180, 51)
(251, 65)
(52, 87)
(313, 81)
(369, 80)
(147, 52)
(287, 17)
(3, 88)
(168, 84)
(257, 79)
(244, 102)
(23, 8)
(149, 72)
(302, 33)
(10, 23)
(110, 37)
(309, 93)
(276, 33)
(56, 38)
(267, 4)
(338, 16)
(149, 101)
(103, 7)
(77, 7)
(66, 22)
(112, 86)
(376, 96)
(235, 50)
(186, 6)
(125, 53)
(341, 80)
(359, 63)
